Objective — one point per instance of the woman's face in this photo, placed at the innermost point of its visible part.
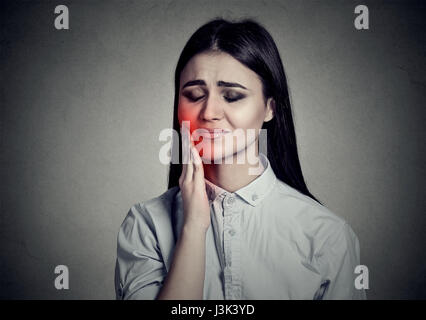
(218, 92)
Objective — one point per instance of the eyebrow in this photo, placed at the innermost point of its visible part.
(219, 84)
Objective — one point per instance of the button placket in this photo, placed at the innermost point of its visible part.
(228, 201)
(227, 241)
(232, 216)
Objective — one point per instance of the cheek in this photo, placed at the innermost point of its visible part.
(250, 117)
(186, 113)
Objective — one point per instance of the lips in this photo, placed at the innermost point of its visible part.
(214, 133)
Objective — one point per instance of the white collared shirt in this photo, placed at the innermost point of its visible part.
(266, 241)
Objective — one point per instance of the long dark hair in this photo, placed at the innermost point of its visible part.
(249, 43)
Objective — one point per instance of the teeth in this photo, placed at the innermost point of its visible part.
(214, 135)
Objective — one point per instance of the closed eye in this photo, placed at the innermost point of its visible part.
(191, 97)
(233, 97)
(229, 97)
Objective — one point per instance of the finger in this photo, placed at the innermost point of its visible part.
(198, 166)
(182, 175)
(185, 150)
(185, 143)
(184, 167)
(189, 167)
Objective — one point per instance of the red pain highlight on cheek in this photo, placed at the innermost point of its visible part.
(191, 118)
(188, 115)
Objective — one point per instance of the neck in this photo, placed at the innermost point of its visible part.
(233, 176)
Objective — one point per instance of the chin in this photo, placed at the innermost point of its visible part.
(219, 157)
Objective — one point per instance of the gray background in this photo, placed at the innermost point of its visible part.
(81, 111)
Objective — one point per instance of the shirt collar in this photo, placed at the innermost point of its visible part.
(255, 191)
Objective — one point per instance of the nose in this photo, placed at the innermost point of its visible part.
(212, 109)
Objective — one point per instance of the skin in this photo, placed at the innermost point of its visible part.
(211, 109)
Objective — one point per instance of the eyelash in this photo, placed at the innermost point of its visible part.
(229, 100)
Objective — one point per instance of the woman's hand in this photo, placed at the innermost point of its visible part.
(185, 279)
(196, 205)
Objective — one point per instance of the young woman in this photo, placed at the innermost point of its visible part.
(224, 230)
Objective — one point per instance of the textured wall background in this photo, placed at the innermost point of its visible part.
(81, 111)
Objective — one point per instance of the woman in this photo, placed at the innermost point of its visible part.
(224, 230)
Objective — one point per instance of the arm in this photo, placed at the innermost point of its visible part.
(140, 269)
(185, 279)
(337, 261)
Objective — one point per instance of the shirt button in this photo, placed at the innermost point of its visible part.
(254, 197)
(230, 200)
(236, 293)
(232, 232)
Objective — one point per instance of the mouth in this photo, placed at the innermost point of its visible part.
(215, 133)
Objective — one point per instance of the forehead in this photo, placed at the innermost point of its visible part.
(212, 67)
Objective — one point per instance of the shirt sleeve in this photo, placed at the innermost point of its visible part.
(337, 260)
(139, 270)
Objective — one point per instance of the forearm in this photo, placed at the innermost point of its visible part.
(185, 279)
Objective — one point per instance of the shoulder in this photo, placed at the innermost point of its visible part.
(317, 223)
(161, 204)
(152, 213)
(304, 208)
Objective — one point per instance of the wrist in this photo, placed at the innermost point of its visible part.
(194, 230)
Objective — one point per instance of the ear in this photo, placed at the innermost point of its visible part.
(270, 107)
